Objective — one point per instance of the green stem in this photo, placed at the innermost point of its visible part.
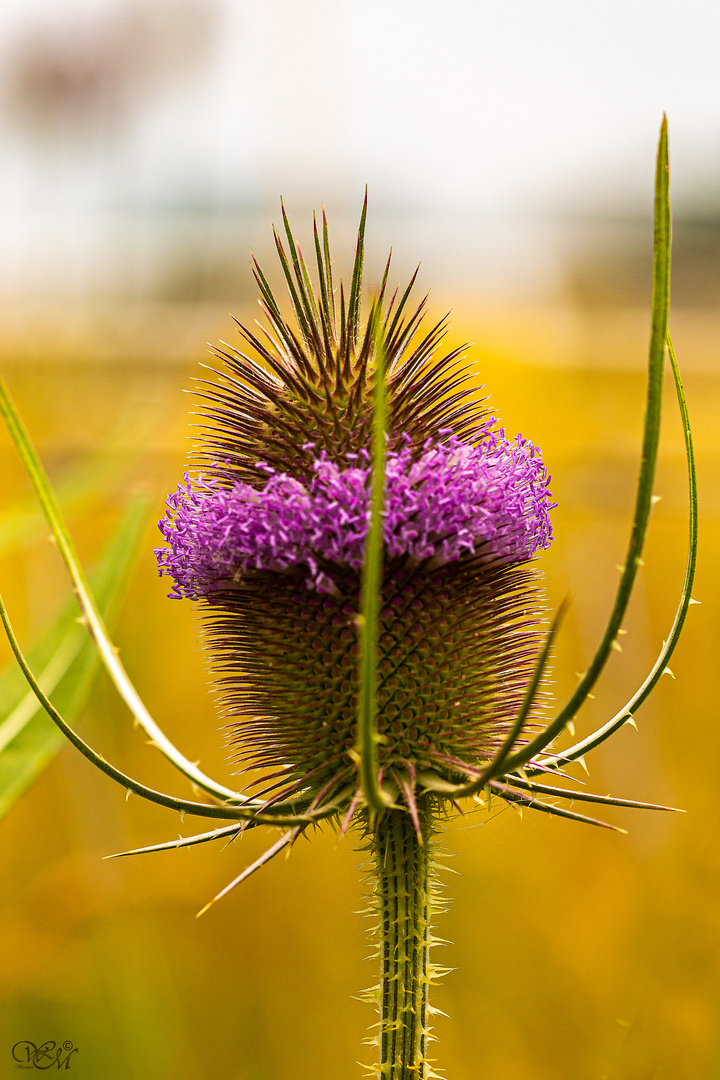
(405, 907)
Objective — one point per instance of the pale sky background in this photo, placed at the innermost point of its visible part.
(465, 118)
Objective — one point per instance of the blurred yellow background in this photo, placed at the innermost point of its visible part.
(580, 954)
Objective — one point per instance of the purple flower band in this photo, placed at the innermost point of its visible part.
(491, 499)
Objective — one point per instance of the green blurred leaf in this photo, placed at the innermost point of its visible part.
(68, 660)
(25, 521)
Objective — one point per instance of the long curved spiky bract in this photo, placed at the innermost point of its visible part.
(625, 715)
(94, 621)
(650, 442)
(186, 806)
(651, 437)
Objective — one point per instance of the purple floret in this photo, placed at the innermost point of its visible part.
(491, 499)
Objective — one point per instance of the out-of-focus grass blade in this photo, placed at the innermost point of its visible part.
(24, 521)
(68, 660)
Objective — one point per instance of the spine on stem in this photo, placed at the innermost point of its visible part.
(404, 898)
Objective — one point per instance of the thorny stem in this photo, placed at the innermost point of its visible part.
(404, 900)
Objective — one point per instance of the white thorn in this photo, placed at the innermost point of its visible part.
(694, 601)
(581, 761)
(631, 721)
(617, 646)
(639, 561)
(571, 728)
(622, 632)
(128, 793)
(591, 697)
(654, 499)
(667, 671)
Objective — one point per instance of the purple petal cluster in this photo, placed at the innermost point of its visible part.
(491, 499)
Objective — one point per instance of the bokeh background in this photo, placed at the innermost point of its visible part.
(509, 146)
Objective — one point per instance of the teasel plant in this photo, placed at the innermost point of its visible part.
(359, 534)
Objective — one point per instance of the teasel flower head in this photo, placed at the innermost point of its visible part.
(269, 536)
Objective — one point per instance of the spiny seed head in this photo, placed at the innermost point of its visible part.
(270, 539)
